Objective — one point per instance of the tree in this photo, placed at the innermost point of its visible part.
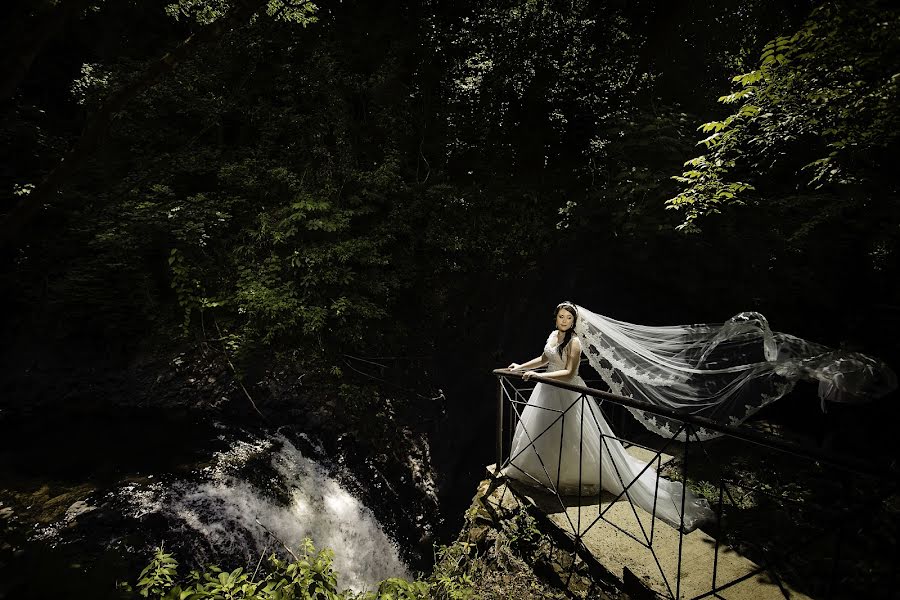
(217, 19)
(820, 111)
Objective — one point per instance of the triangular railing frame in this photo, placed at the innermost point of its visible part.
(510, 395)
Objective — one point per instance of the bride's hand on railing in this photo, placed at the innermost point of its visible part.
(513, 366)
(528, 374)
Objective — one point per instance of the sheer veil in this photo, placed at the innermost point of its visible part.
(725, 371)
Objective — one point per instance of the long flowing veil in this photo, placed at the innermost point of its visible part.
(725, 371)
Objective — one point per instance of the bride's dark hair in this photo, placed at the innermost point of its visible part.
(568, 335)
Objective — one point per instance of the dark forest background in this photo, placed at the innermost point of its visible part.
(426, 180)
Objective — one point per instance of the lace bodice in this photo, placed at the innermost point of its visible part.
(551, 353)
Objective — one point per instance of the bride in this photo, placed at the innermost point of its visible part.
(558, 424)
(724, 372)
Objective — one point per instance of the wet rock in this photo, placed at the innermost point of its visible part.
(78, 508)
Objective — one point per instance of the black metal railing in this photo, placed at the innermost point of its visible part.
(789, 516)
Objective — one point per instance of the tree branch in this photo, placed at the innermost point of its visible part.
(269, 531)
(234, 371)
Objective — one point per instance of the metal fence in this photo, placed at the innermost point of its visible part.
(807, 523)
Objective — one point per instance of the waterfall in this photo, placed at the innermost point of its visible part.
(269, 479)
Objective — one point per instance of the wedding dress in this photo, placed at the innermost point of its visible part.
(558, 425)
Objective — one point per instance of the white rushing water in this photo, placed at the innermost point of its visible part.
(224, 507)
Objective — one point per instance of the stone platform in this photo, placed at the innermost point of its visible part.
(639, 550)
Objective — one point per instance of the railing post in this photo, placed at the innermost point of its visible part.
(499, 462)
(684, 493)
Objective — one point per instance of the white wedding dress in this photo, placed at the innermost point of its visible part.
(558, 425)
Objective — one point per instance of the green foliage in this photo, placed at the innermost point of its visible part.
(203, 12)
(287, 216)
(310, 577)
(206, 12)
(530, 90)
(708, 186)
(521, 533)
(311, 187)
(318, 189)
(185, 284)
(395, 588)
(624, 197)
(302, 13)
(456, 569)
(159, 576)
(281, 244)
(822, 105)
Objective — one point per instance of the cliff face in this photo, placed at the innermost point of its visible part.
(507, 551)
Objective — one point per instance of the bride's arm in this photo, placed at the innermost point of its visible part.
(540, 361)
(571, 363)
